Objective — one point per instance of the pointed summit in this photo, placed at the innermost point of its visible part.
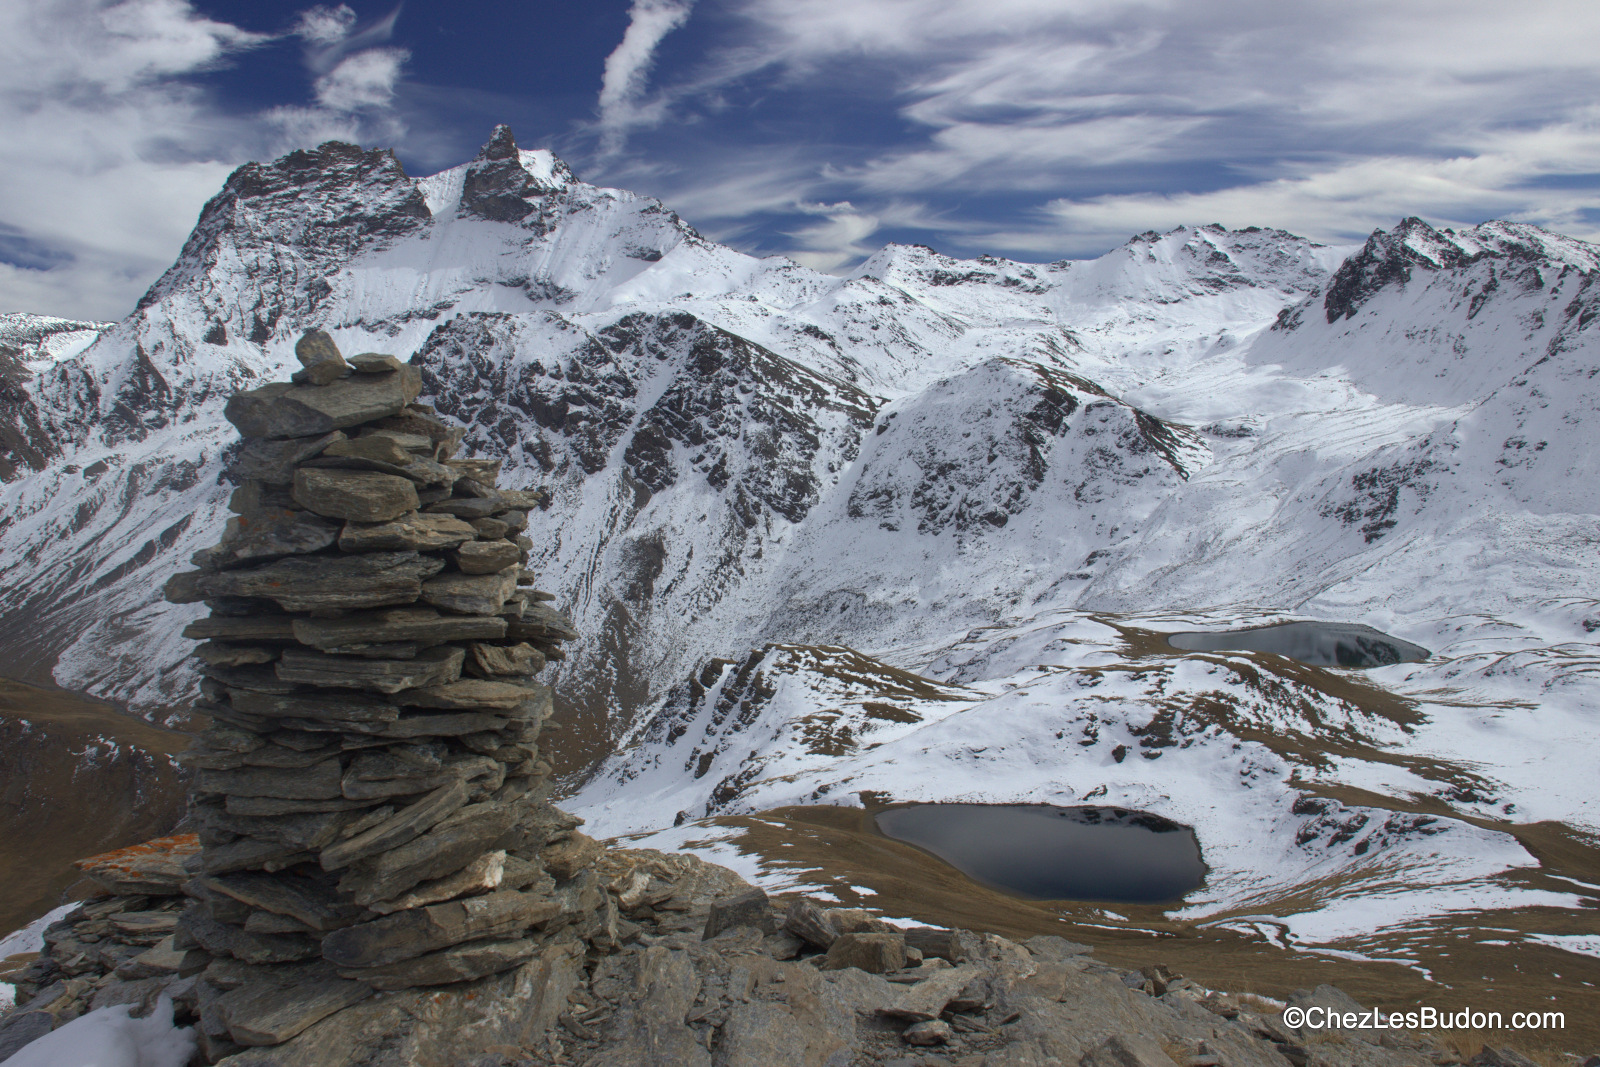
(497, 185)
(501, 145)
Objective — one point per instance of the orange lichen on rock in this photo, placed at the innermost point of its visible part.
(155, 866)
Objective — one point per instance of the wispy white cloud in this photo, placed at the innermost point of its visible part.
(1126, 115)
(112, 147)
(622, 101)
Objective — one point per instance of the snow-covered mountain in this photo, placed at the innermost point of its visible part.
(916, 530)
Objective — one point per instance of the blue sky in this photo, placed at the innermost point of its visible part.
(818, 129)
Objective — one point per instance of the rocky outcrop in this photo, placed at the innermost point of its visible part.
(369, 797)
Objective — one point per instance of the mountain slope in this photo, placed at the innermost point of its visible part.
(1003, 480)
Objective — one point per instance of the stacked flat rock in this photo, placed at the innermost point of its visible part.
(369, 796)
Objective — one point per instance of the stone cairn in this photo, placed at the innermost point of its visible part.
(369, 796)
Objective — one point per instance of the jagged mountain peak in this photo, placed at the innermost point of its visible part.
(1389, 256)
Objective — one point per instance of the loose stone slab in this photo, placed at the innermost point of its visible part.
(374, 363)
(487, 557)
(154, 868)
(519, 659)
(381, 449)
(441, 725)
(249, 628)
(470, 594)
(274, 462)
(268, 534)
(314, 904)
(274, 806)
(462, 963)
(268, 1014)
(422, 625)
(481, 875)
(374, 580)
(410, 933)
(320, 782)
(468, 507)
(333, 707)
(224, 655)
(472, 693)
(221, 939)
(281, 410)
(356, 496)
(403, 826)
(445, 849)
(422, 530)
(435, 666)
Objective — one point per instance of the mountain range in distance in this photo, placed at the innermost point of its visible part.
(915, 533)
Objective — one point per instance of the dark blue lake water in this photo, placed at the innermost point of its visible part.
(1050, 853)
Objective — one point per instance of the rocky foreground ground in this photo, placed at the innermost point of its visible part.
(706, 971)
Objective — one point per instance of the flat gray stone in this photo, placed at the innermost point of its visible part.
(310, 902)
(405, 825)
(487, 557)
(264, 1014)
(270, 627)
(473, 693)
(483, 874)
(445, 849)
(470, 594)
(319, 782)
(356, 496)
(421, 625)
(469, 507)
(221, 939)
(518, 659)
(19, 1030)
(374, 580)
(421, 530)
(268, 534)
(462, 963)
(406, 934)
(274, 462)
(434, 666)
(441, 724)
(280, 410)
(339, 707)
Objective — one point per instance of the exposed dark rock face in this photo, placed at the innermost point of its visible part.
(496, 186)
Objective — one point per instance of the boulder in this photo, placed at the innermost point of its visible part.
(320, 357)
(566, 858)
(1128, 1050)
(749, 908)
(871, 952)
(810, 924)
(356, 496)
(374, 363)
